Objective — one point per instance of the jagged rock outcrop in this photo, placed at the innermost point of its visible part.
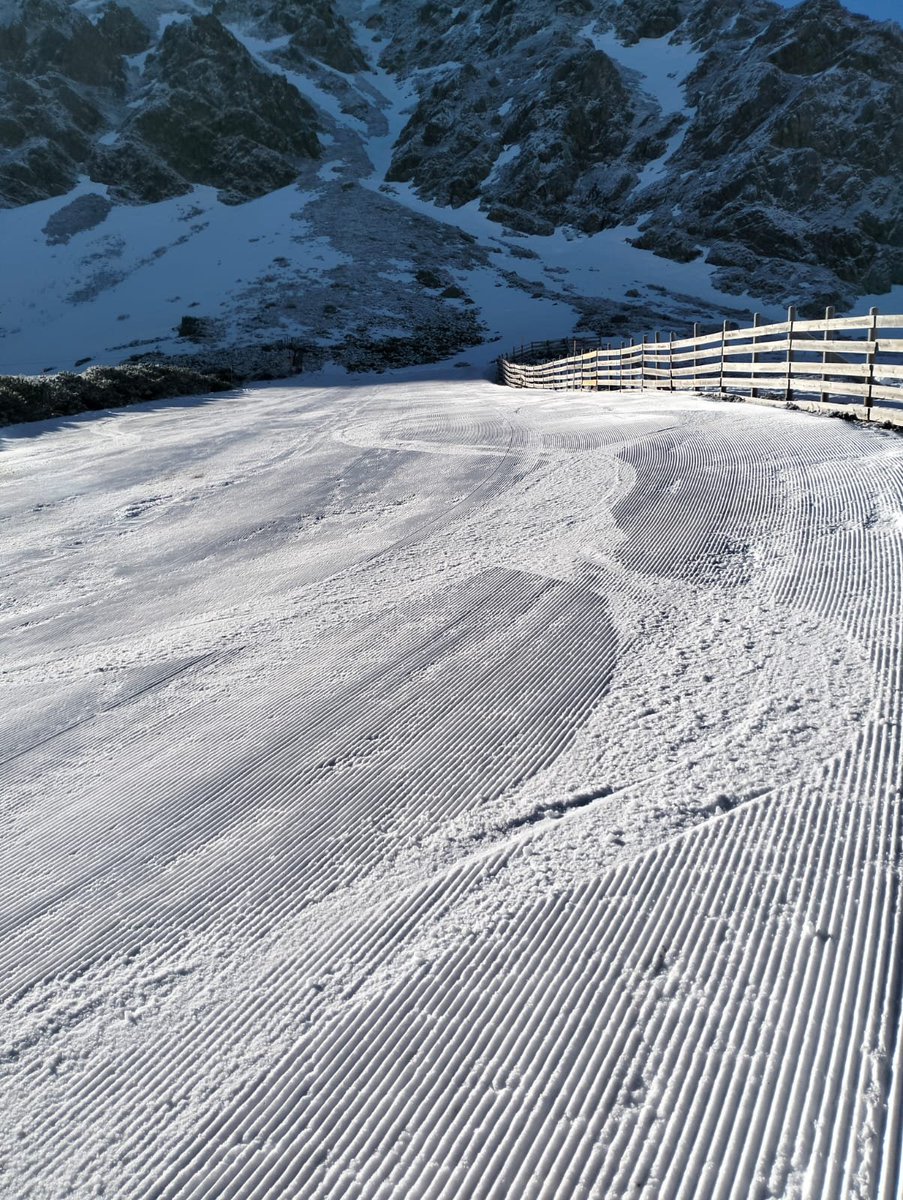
(766, 140)
(213, 116)
(563, 143)
(636, 19)
(202, 111)
(134, 173)
(529, 117)
(789, 171)
(58, 73)
(48, 37)
(317, 31)
(791, 165)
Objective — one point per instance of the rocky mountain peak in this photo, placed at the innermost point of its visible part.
(637, 19)
(761, 144)
(317, 31)
(46, 37)
(215, 116)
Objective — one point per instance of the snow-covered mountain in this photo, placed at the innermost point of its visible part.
(184, 174)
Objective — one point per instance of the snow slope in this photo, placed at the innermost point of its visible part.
(120, 286)
(614, 183)
(427, 789)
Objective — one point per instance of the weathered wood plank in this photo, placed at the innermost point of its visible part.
(703, 369)
(695, 355)
(800, 369)
(888, 392)
(703, 340)
(831, 387)
(819, 326)
(850, 346)
(779, 346)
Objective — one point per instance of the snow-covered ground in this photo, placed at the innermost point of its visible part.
(121, 288)
(426, 789)
(663, 67)
(119, 285)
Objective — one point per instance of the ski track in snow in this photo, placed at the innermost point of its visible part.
(431, 790)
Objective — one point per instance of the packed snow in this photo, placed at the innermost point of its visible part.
(424, 788)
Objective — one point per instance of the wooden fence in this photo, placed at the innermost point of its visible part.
(852, 357)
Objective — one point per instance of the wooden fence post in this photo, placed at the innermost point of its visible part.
(829, 316)
(871, 356)
(671, 360)
(791, 318)
(753, 390)
(655, 358)
(723, 343)
(695, 356)
(643, 362)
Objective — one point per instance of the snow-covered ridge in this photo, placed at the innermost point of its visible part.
(618, 172)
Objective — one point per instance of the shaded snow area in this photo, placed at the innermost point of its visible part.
(662, 68)
(337, 254)
(426, 789)
(314, 263)
(121, 287)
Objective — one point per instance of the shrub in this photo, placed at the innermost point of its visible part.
(29, 398)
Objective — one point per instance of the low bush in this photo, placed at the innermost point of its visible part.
(30, 398)
(427, 344)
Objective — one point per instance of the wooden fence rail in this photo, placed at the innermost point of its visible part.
(854, 357)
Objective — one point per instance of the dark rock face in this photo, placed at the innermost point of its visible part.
(792, 166)
(214, 116)
(36, 171)
(318, 32)
(134, 173)
(543, 135)
(636, 19)
(85, 212)
(47, 37)
(789, 172)
(784, 168)
(203, 112)
(53, 66)
(122, 30)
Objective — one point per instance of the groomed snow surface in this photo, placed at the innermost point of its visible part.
(424, 789)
